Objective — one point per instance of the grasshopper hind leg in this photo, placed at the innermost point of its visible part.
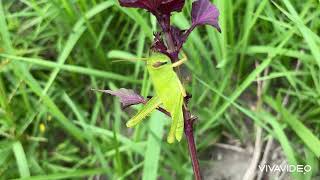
(152, 104)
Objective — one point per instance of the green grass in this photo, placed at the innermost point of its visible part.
(53, 52)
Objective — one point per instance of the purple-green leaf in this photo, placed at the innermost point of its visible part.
(204, 12)
(127, 96)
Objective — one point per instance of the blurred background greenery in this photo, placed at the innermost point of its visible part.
(257, 81)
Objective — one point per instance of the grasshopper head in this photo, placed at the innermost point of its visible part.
(157, 61)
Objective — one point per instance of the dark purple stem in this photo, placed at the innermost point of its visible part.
(192, 150)
(188, 131)
(188, 119)
(172, 51)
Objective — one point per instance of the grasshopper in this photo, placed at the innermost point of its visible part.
(169, 93)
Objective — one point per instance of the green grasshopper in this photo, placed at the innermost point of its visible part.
(169, 93)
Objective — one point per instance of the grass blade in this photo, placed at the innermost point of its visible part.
(21, 159)
(72, 68)
(282, 138)
(302, 131)
(152, 154)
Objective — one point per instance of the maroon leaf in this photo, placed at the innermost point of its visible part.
(127, 96)
(157, 7)
(168, 6)
(144, 4)
(204, 12)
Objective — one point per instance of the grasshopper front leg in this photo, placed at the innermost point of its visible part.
(181, 61)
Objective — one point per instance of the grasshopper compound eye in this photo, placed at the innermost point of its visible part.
(158, 64)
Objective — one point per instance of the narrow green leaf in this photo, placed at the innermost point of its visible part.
(21, 159)
(282, 138)
(72, 68)
(139, 19)
(302, 131)
(152, 154)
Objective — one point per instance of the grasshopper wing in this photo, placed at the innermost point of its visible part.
(152, 104)
(177, 125)
(179, 118)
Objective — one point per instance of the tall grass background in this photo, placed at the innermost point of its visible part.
(53, 52)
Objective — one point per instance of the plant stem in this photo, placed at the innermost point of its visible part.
(188, 119)
(193, 153)
(188, 130)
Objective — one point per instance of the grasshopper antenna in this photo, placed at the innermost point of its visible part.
(128, 60)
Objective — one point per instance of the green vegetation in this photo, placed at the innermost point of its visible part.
(52, 53)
